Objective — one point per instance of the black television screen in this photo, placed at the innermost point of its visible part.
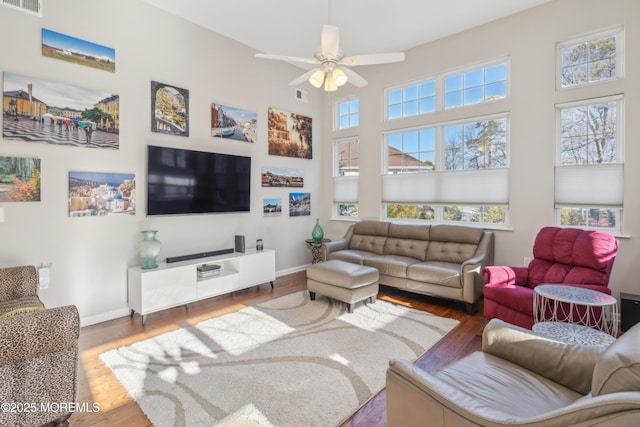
(196, 182)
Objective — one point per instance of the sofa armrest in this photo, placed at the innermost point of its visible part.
(29, 335)
(568, 364)
(333, 246)
(502, 275)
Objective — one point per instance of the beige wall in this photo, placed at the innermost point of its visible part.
(90, 255)
(529, 40)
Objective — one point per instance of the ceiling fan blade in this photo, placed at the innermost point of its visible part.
(303, 78)
(330, 41)
(376, 58)
(288, 58)
(354, 78)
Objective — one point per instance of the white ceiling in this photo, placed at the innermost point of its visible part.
(293, 27)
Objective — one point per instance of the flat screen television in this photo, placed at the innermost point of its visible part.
(181, 182)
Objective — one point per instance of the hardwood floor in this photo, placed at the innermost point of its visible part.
(98, 385)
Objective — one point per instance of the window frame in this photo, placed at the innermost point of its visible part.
(343, 179)
(475, 67)
(337, 116)
(404, 86)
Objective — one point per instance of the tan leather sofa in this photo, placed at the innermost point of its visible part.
(444, 261)
(522, 379)
(38, 353)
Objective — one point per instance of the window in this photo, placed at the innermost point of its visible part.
(475, 86)
(589, 164)
(411, 151)
(346, 168)
(348, 114)
(476, 145)
(479, 215)
(593, 59)
(411, 100)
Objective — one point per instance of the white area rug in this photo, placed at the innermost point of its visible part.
(287, 362)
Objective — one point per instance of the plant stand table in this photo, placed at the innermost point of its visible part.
(574, 334)
(316, 249)
(571, 304)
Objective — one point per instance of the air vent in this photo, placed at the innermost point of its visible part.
(302, 95)
(33, 7)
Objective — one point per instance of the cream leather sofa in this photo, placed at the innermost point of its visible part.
(522, 379)
(444, 261)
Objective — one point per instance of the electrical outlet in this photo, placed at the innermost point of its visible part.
(526, 261)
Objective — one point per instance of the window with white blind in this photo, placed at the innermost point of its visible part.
(346, 169)
(589, 172)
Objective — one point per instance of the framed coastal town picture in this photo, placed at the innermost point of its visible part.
(19, 179)
(101, 194)
(169, 109)
(272, 207)
(299, 204)
(39, 110)
(233, 123)
(289, 134)
(282, 177)
(77, 51)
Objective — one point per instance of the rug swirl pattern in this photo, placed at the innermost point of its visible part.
(287, 362)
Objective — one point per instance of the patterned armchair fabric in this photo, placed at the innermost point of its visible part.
(38, 353)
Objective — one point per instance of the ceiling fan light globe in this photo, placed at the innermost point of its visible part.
(317, 78)
(329, 84)
(339, 77)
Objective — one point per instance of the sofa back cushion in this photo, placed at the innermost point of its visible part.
(572, 255)
(453, 243)
(369, 236)
(407, 240)
(618, 369)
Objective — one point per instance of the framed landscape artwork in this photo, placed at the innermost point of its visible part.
(100, 194)
(289, 134)
(78, 51)
(272, 207)
(169, 109)
(299, 204)
(282, 177)
(19, 179)
(232, 123)
(38, 110)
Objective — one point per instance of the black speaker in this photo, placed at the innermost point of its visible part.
(239, 243)
(629, 310)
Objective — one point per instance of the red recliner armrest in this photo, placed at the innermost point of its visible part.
(503, 275)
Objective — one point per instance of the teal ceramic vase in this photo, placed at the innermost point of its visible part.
(149, 249)
(317, 233)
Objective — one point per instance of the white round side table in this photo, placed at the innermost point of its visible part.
(572, 304)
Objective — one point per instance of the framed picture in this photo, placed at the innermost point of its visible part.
(299, 204)
(19, 179)
(99, 194)
(272, 207)
(78, 51)
(282, 177)
(169, 109)
(289, 134)
(232, 123)
(37, 110)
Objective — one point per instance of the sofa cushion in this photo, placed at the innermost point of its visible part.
(451, 243)
(407, 240)
(618, 369)
(391, 265)
(436, 272)
(351, 255)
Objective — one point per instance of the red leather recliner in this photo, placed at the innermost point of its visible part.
(567, 256)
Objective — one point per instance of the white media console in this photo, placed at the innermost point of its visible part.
(178, 283)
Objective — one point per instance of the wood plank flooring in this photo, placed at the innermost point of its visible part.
(98, 385)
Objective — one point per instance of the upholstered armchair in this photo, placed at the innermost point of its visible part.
(568, 256)
(521, 379)
(38, 353)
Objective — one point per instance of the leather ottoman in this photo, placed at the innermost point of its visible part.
(343, 281)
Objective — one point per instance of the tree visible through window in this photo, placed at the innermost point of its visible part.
(476, 145)
(589, 61)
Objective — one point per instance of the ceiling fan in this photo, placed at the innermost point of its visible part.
(332, 68)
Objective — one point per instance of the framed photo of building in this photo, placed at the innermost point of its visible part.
(282, 177)
(169, 109)
(233, 123)
(299, 204)
(100, 194)
(272, 207)
(289, 134)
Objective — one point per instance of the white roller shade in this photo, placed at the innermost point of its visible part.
(345, 189)
(487, 186)
(590, 185)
